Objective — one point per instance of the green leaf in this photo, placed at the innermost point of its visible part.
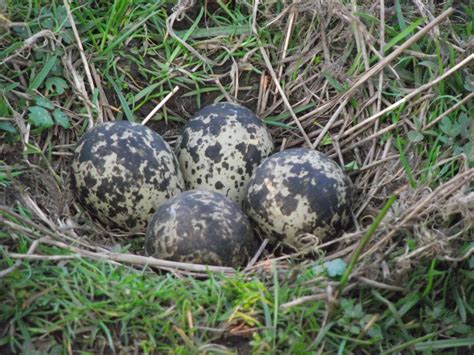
(444, 344)
(123, 101)
(61, 119)
(211, 32)
(40, 117)
(351, 166)
(402, 35)
(446, 125)
(375, 332)
(415, 136)
(4, 109)
(56, 84)
(430, 64)
(335, 267)
(334, 83)
(43, 73)
(7, 127)
(41, 101)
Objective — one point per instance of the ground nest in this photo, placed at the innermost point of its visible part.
(319, 74)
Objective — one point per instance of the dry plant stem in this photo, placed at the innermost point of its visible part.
(304, 299)
(378, 106)
(274, 76)
(381, 65)
(375, 187)
(257, 255)
(381, 285)
(369, 325)
(291, 19)
(29, 43)
(43, 257)
(160, 105)
(330, 123)
(79, 46)
(104, 103)
(368, 138)
(374, 164)
(448, 111)
(141, 260)
(17, 263)
(410, 95)
(469, 253)
(441, 192)
(283, 95)
(388, 59)
(38, 227)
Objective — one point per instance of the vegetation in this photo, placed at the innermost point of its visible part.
(385, 88)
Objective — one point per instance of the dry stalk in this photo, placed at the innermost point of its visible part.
(160, 105)
(412, 94)
(441, 192)
(379, 66)
(448, 111)
(17, 263)
(276, 81)
(81, 52)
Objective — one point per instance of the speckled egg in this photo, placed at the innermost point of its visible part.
(220, 147)
(121, 171)
(298, 192)
(200, 227)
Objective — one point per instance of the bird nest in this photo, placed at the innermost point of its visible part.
(307, 94)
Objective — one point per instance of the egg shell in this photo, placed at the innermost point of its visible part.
(220, 147)
(121, 171)
(200, 227)
(299, 191)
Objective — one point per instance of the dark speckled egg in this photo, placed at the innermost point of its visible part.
(220, 147)
(200, 227)
(121, 171)
(298, 192)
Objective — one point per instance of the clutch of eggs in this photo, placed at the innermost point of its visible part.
(200, 227)
(296, 192)
(220, 147)
(121, 171)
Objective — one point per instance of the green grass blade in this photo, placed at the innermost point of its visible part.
(444, 344)
(123, 101)
(370, 232)
(43, 73)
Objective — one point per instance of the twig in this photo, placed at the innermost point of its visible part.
(304, 299)
(381, 65)
(142, 260)
(441, 192)
(160, 105)
(17, 263)
(257, 254)
(410, 95)
(79, 46)
(448, 111)
(381, 285)
(329, 124)
(275, 80)
(375, 163)
(43, 257)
